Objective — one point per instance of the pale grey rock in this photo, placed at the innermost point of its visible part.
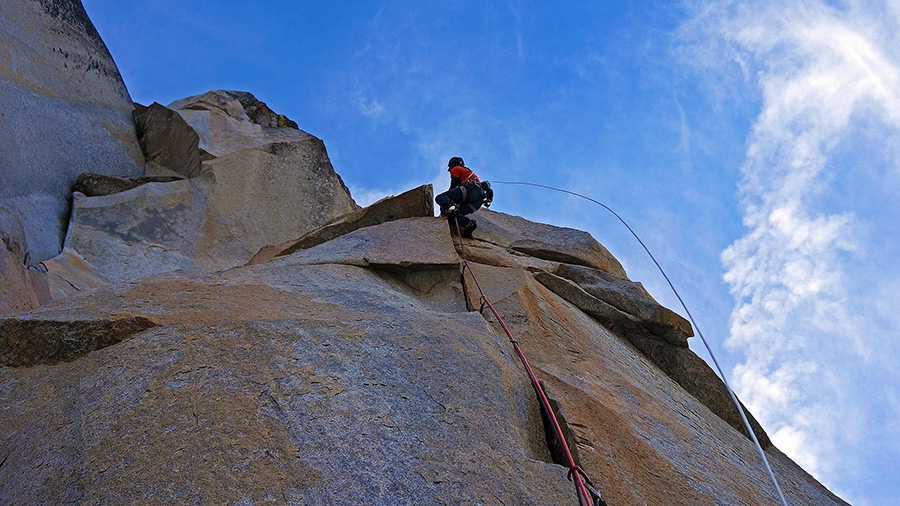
(241, 202)
(224, 126)
(409, 204)
(152, 229)
(65, 110)
(42, 219)
(21, 289)
(275, 192)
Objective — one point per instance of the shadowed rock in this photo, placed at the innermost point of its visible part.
(21, 289)
(631, 298)
(242, 201)
(99, 185)
(33, 342)
(668, 350)
(615, 420)
(169, 144)
(619, 322)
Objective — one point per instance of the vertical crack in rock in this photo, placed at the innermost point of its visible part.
(33, 342)
(557, 454)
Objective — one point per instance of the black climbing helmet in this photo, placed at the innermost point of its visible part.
(455, 161)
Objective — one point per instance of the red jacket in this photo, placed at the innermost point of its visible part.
(462, 176)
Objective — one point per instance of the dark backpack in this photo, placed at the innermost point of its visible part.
(487, 192)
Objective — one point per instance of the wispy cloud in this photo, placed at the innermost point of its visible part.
(826, 76)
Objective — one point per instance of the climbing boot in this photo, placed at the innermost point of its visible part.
(468, 229)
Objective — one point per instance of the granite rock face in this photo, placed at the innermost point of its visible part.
(288, 382)
(230, 328)
(417, 202)
(228, 121)
(357, 368)
(274, 185)
(65, 111)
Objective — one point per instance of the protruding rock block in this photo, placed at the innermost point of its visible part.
(243, 200)
(631, 298)
(228, 121)
(170, 145)
(547, 242)
(619, 322)
(32, 342)
(410, 204)
(98, 185)
(276, 192)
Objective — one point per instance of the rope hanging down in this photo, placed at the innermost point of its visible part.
(731, 394)
(584, 490)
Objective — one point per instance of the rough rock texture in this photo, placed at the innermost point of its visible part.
(631, 298)
(647, 440)
(417, 202)
(31, 342)
(353, 369)
(306, 385)
(243, 199)
(345, 365)
(65, 111)
(546, 242)
(698, 379)
(21, 289)
(277, 191)
(98, 185)
(169, 144)
(224, 125)
(69, 274)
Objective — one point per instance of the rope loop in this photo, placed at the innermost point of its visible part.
(573, 470)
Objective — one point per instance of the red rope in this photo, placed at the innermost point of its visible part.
(584, 497)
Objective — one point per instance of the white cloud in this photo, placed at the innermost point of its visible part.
(802, 312)
(370, 108)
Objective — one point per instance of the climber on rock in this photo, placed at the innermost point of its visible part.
(466, 195)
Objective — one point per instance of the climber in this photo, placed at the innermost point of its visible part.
(466, 195)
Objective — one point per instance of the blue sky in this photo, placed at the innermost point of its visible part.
(753, 145)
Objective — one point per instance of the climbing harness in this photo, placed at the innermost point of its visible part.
(734, 398)
(587, 494)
